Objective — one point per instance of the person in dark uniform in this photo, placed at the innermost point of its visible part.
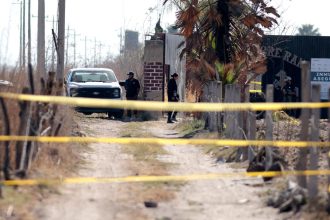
(289, 93)
(173, 96)
(132, 87)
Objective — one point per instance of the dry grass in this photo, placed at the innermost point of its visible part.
(52, 160)
(144, 154)
(190, 127)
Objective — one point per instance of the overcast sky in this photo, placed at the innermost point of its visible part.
(104, 20)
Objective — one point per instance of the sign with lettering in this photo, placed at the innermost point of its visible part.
(285, 55)
(320, 74)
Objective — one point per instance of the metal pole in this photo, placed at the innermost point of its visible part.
(67, 47)
(100, 52)
(85, 51)
(74, 48)
(41, 70)
(53, 49)
(94, 51)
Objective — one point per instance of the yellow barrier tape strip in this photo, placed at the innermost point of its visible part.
(163, 106)
(255, 82)
(130, 179)
(255, 91)
(167, 141)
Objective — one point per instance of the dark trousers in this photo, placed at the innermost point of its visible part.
(171, 114)
(129, 111)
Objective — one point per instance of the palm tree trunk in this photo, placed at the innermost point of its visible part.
(222, 48)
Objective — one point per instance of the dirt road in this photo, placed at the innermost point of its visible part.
(216, 199)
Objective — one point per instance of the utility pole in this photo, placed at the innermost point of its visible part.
(67, 46)
(74, 48)
(41, 70)
(60, 43)
(23, 43)
(94, 51)
(21, 35)
(100, 52)
(29, 32)
(53, 50)
(85, 51)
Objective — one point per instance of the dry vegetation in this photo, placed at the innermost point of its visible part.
(285, 128)
(50, 160)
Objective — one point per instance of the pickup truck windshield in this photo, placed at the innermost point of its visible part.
(84, 76)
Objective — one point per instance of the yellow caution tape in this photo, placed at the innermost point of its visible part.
(255, 82)
(255, 91)
(167, 141)
(129, 179)
(163, 106)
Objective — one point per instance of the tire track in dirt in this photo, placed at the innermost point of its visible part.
(96, 201)
(216, 199)
(205, 199)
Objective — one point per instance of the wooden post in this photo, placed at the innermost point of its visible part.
(215, 94)
(238, 121)
(328, 155)
(269, 126)
(251, 129)
(6, 122)
(228, 116)
(314, 155)
(305, 114)
(24, 127)
(245, 122)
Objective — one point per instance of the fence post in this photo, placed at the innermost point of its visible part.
(6, 158)
(328, 154)
(269, 126)
(215, 89)
(245, 122)
(305, 114)
(228, 116)
(212, 92)
(238, 129)
(251, 133)
(314, 155)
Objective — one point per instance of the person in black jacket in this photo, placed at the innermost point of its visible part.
(132, 87)
(173, 96)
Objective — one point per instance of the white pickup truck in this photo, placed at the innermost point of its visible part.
(94, 83)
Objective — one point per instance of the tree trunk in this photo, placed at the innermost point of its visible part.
(222, 48)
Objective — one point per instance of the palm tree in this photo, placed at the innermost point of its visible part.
(308, 30)
(224, 36)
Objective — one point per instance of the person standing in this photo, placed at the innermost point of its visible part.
(132, 87)
(289, 92)
(173, 96)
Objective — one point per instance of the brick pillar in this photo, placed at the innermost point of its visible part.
(153, 70)
(153, 80)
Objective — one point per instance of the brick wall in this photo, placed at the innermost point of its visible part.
(153, 76)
